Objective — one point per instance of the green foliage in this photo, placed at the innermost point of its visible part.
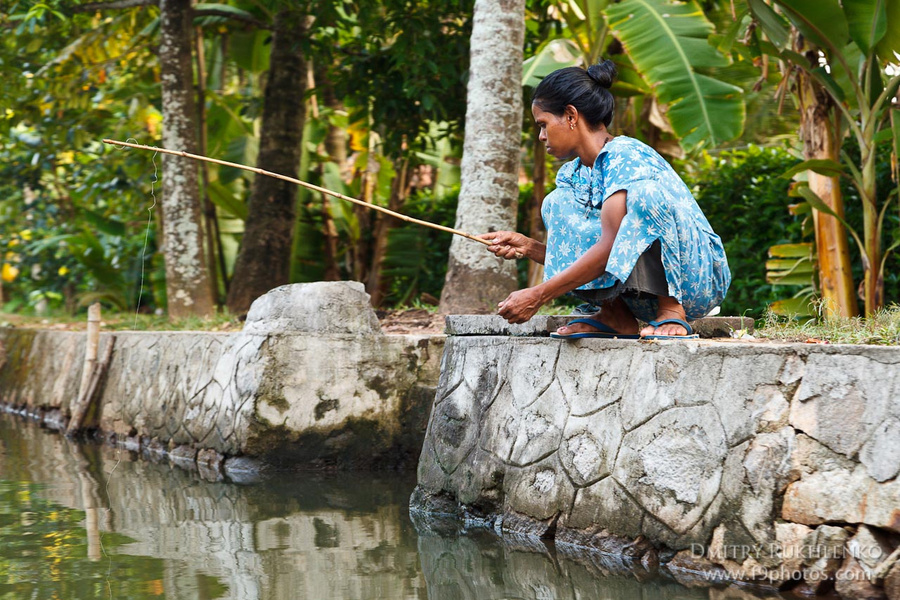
(403, 64)
(416, 258)
(746, 202)
(668, 44)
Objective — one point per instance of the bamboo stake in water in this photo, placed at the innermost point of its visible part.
(316, 188)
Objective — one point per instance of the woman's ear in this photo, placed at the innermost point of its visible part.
(570, 114)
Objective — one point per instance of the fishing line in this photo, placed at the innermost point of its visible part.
(137, 308)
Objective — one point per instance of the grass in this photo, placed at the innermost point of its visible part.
(882, 328)
(114, 321)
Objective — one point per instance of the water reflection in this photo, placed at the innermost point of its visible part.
(84, 521)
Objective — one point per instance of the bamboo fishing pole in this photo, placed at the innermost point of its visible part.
(311, 186)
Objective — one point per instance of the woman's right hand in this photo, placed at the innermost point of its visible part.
(508, 244)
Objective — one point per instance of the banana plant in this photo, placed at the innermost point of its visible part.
(667, 55)
(845, 57)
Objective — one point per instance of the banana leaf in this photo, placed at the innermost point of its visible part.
(668, 44)
(867, 21)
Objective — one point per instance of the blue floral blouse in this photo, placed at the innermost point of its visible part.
(659, 207)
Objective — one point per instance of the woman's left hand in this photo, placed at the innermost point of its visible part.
(521, 306)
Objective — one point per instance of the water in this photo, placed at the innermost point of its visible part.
(81, 521)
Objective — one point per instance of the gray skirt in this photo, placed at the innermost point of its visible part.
(646, 282)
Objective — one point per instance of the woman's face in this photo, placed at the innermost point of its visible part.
(556, 133)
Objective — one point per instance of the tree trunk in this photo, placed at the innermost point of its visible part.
(263, 261)
(187, 277)
(535, 221)
(214, 255)
(477, 280)
(818, 133)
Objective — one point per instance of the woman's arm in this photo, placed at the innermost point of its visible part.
(522, 305)
(512, 245)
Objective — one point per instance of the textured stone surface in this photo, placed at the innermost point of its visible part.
(311, 383)
(842, 495)
(852, 581)
(326, 307)
(542, 325)
(892, 583)
(870, 548)
(710, 445)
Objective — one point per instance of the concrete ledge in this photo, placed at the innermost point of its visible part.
(729, 460)
(542, 325)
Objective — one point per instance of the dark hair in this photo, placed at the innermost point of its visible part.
(588, 91)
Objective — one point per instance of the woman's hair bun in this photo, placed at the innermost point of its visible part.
(603, 73)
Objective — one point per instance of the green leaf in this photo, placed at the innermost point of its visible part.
(867, 21)
(668, 43)
(220, 8)
(104, 224)
(821, 21)
(789, 278)
(890, 43)
(223, 197)
(895, 127)
(773, 24)
(556, 54)
(792, 250)
(804, 265)
(817, 203)
(822, 166)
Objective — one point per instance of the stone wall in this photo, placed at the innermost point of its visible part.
(775, 463)
(310, 382)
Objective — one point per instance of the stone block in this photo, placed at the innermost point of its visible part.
(842, 495)
(892, 583)
(495, 325)
(184, 457)
(542, 325)
(843, 399)
(322, 307)
(721, 327)
(870, 548)
(672, 465)
(823, 555)
(852, 581)
(590, 445)
(540, 491)
(605, 505)
(881, 452)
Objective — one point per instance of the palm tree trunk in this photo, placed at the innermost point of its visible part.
(535, 221)
(187, 276)
(476, 280)
(263, 261)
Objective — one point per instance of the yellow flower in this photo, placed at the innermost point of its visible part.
(9, 273)
(63, 270)
(25, 234)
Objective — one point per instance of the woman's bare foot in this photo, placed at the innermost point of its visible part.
(614, 314)
(669, 308)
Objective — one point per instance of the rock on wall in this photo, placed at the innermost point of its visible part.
(737, 460)
(310, 382)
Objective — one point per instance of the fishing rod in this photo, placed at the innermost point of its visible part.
(310, 186)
